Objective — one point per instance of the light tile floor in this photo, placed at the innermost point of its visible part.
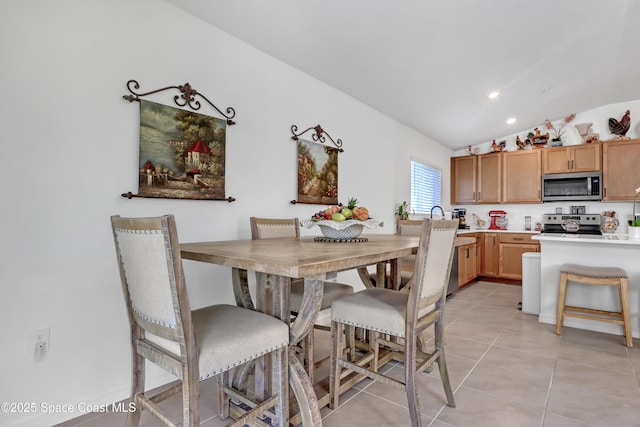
(506, 369)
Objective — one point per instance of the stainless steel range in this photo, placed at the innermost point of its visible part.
(572, 223)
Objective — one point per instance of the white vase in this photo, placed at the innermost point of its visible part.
(634, 233)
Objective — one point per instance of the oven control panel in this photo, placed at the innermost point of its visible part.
(583, 219)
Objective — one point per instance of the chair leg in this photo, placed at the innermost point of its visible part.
(562, 296)
(350, 338)
(624, 307)
(280, 388)
(337, 330)
(442, 363)
(190, 394)
(223, 400)
(373, 341)
(137, 386)
(410, 380)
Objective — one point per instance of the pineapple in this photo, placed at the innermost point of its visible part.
(348, 210)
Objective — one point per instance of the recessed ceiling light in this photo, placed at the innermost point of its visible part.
(511, 121)
(493, 95)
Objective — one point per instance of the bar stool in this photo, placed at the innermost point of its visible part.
(600, 276)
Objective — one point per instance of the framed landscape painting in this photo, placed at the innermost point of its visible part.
(182, 154)
(317, 173)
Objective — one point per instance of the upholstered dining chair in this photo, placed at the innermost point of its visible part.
(267, 228)
(405, 315)
(404, 227)
(192, 345)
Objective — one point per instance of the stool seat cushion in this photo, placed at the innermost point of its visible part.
(239, 335)
(376, 309)
(594, 272)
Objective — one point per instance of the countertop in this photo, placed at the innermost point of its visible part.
(477, 230)
(616, 239)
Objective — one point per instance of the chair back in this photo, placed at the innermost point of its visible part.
(152, 279)
(433, 262)
(270, 228)
(409, 227)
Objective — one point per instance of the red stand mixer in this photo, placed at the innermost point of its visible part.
(498, 220)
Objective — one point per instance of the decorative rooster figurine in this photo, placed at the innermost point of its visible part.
(620, 127)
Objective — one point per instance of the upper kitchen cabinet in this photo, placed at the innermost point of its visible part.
(463, 179)
(573, 158)
(489, 183)
(476, 179)
(522, 173)
(620, 169)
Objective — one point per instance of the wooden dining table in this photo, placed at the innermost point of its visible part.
(276, 262)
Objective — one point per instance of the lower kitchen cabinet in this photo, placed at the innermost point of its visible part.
(468, 259)
(494, 254)
(510, 248)
(490, 255)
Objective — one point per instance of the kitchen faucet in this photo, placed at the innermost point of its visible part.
(439, 207)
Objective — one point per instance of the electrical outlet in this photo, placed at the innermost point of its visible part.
(39, 340)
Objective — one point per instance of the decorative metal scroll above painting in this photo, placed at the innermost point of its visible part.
(181, 153)
(317, 167)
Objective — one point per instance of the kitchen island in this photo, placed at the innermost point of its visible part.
(608, 250)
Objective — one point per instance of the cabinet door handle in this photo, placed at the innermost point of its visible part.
(518, 238)
(467, 253)
(479, 195)
(569, 164)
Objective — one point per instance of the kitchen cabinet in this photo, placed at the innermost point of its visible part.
(490, 255)
(620, 171)
(476, 179)
(467, 261)
(511, 248)
(522, 173)
(573, 158)
(489, 181)
(463, 179)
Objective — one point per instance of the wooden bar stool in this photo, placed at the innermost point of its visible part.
(600, 276)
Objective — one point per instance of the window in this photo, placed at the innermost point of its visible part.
(426, 185)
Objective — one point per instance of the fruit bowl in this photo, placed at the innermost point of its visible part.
(349, 229)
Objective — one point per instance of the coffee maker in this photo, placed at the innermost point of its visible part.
(461, 214)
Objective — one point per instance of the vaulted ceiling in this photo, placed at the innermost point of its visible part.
(430, 64)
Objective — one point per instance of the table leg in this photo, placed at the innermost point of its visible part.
(394, 274)
(304, 393)
(273, 298)
(241, 288)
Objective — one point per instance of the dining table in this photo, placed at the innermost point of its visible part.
(276, 262)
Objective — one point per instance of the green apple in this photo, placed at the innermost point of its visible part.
(338, 217)
(348, 213)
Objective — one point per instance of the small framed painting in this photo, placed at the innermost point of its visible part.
(182, 154)
(317, 173)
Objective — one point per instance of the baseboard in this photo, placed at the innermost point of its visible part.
(79, 408)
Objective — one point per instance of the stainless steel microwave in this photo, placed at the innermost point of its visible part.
(572, 186)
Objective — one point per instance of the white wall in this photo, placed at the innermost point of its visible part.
(70, 149)
(600, 119)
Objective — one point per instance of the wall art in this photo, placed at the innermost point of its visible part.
(181, 152)
(317, 173)
(317, 167)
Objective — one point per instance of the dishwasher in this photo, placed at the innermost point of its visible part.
(453, 278)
